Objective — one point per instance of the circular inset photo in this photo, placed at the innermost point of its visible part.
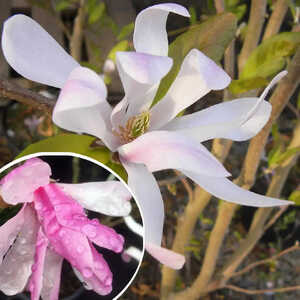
(69, 229)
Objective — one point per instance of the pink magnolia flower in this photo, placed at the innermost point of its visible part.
(148, 139)
(51, 226)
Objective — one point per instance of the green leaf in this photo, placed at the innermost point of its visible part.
(61, 5)
(211, 37)
(193, 13)
(271, 56)
(243, 85)
(287, 154)
(295, 197)
(121, 46)
(96, 13)
(69, 143)
(125, 31)
(239, 11)
(298, 101)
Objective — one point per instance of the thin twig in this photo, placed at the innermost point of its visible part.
(265, 261)
(220, 6)
(257, 292)
(275, 217)
(175, 179)
(186, 185)
(14, 92)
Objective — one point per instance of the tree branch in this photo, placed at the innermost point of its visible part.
(14, 92)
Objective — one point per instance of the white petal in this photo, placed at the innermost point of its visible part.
(227, 190)
(150, 35)
(238, 120)
(197, 77)
(147, 194)
(223, 120)
(160, 150)
(167, 257)
(51, 276)
(16, 266)
(108, 197)
(82, 107)
(33, 53)
(9, 231)
(140, 75)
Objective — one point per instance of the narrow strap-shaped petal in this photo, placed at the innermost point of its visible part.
(147, 194)
(36, 279)
(81, 106)
(52, 275)
(238, 120)
(16, 266)
(33, 53)
(167, 257)
(198, 75)
(9, 231)
(223, 120)
(224, 189)
(160, 150)
(108, 197)
(150, 34)
(19, 185)
(140, 75)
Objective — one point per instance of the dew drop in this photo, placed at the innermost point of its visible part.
(87, 272)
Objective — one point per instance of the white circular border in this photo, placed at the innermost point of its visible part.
(37, 154)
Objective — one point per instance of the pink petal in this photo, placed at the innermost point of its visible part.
(70, 214)
(107, 197)
(140, 75)
(82, 107)
(16, 266)
(51, 276)
(225, 189)
(160, 150)
(20, 183)
(36, 279)
(167, 257)
(9, 232)
(33, 53)
(150, 35)
(197, 77)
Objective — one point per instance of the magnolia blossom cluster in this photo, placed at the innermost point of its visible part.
(147, 138)
(51, 226)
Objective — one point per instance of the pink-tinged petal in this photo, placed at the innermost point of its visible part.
(69, 214)
(16, 266)
(160, 150)
(19, 185)
(51, 276)
(167, 257)
(225, 189)
(223, 120)
(33, 53)
(81, 106)
(238, 120)
(147, 194)
(9, 232)
(140, 75)
(108, 197)
(150, 35)
(36, 279)
(198, 75)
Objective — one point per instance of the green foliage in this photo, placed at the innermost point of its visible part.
(265, 61)
(211, 37)
(193, 13)
(286, 220)
(236, 7)
(96, 13)
(125, 31)
(69, 143)
(62, 5)
(295, 197)
(121, 46)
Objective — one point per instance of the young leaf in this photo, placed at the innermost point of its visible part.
(125, 31)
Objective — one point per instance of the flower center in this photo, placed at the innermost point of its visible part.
(134, 127)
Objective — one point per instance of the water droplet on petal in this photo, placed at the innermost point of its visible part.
(87, 272)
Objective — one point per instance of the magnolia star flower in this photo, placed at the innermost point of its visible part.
(147, 139)
(52, 226)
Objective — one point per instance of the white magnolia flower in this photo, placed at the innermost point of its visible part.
(148, 139)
